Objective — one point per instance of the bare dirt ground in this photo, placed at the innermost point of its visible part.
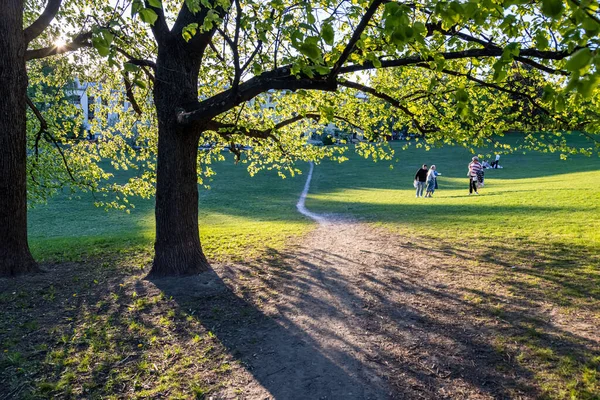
(348, 312)
(355, 312)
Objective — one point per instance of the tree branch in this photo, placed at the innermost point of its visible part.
(201, 40)
(139, 62)
(230, 129)
(278, 79)
(541, 67)
(130, 96)
(492, 86)
(43, 125)
(62, 154)
(236, 56)
(390, 100)
(362, 25)
(489, 44)
(456, 55)
(39, 25)
(142, 63)
(44, 131)
(81, 40)
(592, 16)
(160, 29)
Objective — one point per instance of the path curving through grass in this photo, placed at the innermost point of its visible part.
(301, 201)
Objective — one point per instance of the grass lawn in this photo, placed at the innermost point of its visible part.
(536, 197)
(238, 216)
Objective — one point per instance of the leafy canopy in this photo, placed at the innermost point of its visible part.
(457, 72)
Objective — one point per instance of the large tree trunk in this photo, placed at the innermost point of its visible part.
(177, 247)
(15, 257)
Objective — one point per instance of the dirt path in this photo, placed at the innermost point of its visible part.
(351, 313)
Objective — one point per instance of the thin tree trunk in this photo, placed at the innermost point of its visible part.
(177, 248)
(15, 257)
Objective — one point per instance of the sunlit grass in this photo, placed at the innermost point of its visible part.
(239, 216)
(533, 235)
(536, 196)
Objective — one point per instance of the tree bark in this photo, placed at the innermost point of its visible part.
(15, 257)
(177, 247)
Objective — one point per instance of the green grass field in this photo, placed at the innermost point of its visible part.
(536, 200)
(536, 197)
(238, 216)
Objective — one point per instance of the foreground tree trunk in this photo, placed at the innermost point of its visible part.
(177, 247)
(15, 257)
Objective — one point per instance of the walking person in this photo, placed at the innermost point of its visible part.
(420, 179)
(431, 181)
(475, 169)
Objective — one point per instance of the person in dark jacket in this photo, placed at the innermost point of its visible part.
(420, 179)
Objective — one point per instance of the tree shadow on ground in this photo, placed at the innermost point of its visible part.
(430, 352)
(366, 317)
(426, 337)
(283, 358)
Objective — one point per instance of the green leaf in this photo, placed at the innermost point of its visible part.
(310, 50)
(130, 67)
(322, 70)
(256, 69)
(462, 95)
(419, 27)
(155, 3)
(102, 50)
(552, 8)
(136, 6)
(102, 40)
(541, 41)
(548, 93)
(140, 83)
(499, 70)
(108, 36)
(586, 86)
(327, 33)
(591, 27)
(148, 16)
(559, 103)
(579, 60)
(193, 5)
(189, 31)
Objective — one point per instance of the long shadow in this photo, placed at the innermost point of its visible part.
(400, 307)
(444, 348)
(404, 325)
(285, 359)
(564, 272)
(406, 336)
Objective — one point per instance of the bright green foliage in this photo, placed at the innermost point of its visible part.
(456, 72)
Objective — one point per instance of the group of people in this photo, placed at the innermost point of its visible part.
(426, 178)
(494, 163)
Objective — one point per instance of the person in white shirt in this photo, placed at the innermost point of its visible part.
(495, 163)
